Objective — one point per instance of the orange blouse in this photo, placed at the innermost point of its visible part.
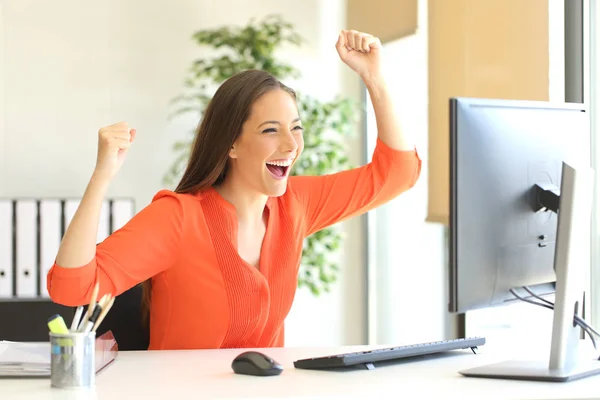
(203, 294)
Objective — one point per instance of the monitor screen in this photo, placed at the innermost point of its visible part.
(501, 151)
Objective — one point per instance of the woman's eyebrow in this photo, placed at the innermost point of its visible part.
(276, 122)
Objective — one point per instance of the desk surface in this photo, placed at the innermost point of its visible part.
(208, 374)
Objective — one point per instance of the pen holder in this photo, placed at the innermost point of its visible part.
(73, 360)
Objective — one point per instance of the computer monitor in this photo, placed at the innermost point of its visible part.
(520, 208)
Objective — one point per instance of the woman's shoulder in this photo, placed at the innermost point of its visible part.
(170, 194)
(183, 200)
(175, 200)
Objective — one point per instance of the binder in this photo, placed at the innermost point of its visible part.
(30, 234)
(104, 222)
(70, 207)
(122, 211)
(26, 248)
(50, 237)
(6, 249)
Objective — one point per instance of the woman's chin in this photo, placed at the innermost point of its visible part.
(277, 190)
(275, 186)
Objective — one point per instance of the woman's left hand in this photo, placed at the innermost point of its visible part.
(361, 52)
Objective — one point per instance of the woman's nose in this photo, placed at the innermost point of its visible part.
(288, 143)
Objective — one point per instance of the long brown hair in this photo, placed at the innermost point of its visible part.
(222, 124)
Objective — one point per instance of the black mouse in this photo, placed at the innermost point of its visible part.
(255, 363)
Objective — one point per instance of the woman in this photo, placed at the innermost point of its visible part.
(222, 251)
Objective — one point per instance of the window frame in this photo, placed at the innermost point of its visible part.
(591, 30)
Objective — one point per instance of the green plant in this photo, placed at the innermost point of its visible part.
(326, 124)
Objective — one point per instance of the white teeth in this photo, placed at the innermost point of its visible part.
(285, 163)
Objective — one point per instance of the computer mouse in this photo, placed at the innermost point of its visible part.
(255, 363)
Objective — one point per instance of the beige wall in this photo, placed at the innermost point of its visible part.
(491, 48)
(386, 19)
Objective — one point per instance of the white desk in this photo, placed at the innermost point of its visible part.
(207, 374)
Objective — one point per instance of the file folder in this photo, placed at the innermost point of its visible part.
(50, 237)
(70, 207)
(122, 211)
(26, 248)
(104, 222)
(6, 249)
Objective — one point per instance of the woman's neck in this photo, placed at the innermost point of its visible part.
(250, 205)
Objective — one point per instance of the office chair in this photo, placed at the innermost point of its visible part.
(125, 321)
(25, 320)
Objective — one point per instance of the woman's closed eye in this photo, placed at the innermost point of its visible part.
(270, 130)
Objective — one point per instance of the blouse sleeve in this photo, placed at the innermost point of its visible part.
(142, 248)
(332, 198)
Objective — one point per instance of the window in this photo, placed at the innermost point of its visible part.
(402, 256)
(593, 10)
(407, 293)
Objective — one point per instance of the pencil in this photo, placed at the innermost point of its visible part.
(103, 313)
(105, 299)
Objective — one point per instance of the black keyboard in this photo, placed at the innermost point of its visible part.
(367, 358)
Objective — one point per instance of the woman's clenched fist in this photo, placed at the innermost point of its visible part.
(113, 143)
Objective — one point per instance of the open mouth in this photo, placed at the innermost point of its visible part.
(279, 169)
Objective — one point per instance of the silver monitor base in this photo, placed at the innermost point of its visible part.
(533, 371)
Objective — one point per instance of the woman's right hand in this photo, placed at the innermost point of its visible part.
(113, 143)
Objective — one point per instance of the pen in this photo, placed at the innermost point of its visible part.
(87, 328)
(91, 306)
(76, 318)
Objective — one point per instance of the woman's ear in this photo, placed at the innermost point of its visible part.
(232, 152)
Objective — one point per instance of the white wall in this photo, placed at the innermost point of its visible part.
(339, 317)
(70, 67)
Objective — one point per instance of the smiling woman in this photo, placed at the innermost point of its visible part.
(269, 142)
(280, 167)
(249, 118)
(219, 256)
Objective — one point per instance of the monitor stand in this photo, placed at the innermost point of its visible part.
(573, 228)
(534, 371)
